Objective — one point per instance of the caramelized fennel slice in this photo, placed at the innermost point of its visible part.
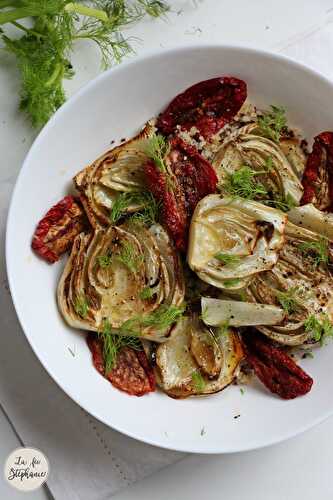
(179, 374)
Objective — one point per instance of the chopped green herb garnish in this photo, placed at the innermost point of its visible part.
(289, 300)
(242, 391)
(81, 306)
(242, 183)
(320, 329)
(147, 214)
(129, 256)
(232, 282)
(203, 431)
(104, 261)
(112, 344)
(146, 293)
(227, 259)
(272, 123)
(317, 250)
(157, 148)
(161, 319)
(198, 381)
(241, 295)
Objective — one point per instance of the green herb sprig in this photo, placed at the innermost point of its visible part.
(146, 215)
(43, 51)
(146, 293)
(242, 184)
(156, 149)
(161, 319)
(129, 257)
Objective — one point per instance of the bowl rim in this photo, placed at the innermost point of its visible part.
(146, 56)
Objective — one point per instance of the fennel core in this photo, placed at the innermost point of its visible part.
(127, 256)
(43, 51)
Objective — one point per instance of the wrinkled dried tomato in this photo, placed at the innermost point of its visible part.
(276, 370)
(207, 105)
(56, 231)
(318, 175)
(189, 178)
(131, 374)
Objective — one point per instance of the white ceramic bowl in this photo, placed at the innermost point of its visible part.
(111, 107)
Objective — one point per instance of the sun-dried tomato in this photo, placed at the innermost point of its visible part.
(56, 231)
(172, 201)
(276, 370)
(131, 374)
(207, 105)
(318, 175)
(189, 178)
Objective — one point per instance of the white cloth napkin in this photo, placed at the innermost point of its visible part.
(88, 460)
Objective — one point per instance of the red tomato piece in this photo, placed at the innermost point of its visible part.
(207, 105)
(189, 178)
(276, 370)
(131, 374)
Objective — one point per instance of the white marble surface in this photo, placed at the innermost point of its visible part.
(300, 468)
